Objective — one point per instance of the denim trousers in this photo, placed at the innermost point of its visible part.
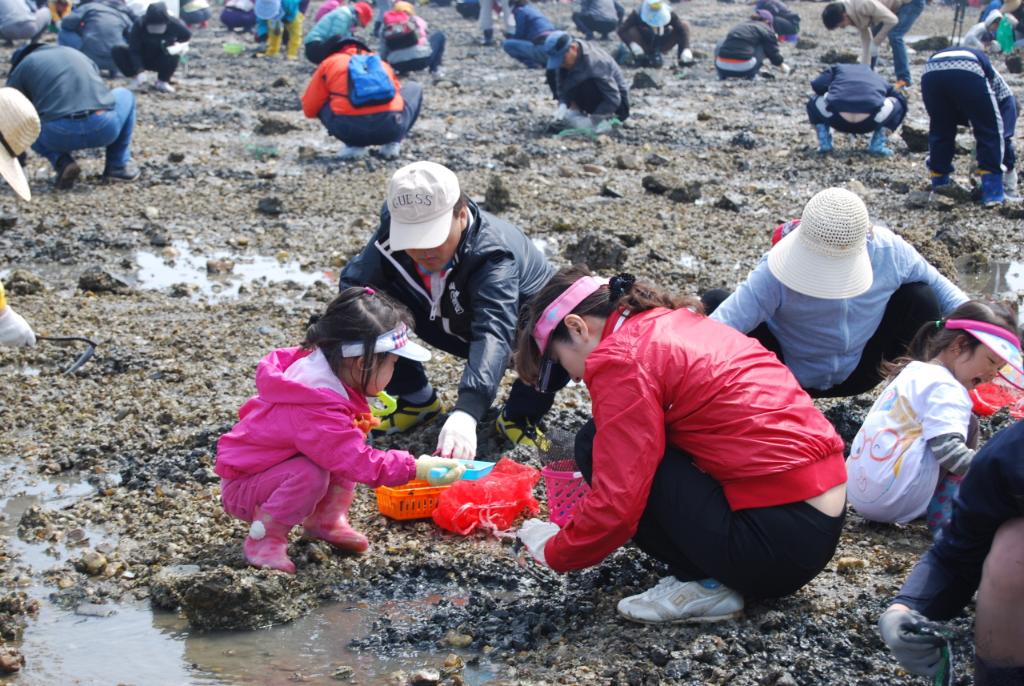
(112, 129)
(906, 16)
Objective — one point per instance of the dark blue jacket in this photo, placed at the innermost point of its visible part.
(531, 24)
(992, 493)
(852, 88)
(981, 64)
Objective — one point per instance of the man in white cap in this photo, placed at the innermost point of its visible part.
(836, 297)
(19, 128)
(464, 274)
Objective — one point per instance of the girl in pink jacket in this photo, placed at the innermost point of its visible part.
(300, 443)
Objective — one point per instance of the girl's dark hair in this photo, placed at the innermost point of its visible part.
(623, 292)
(933, 337)
(356, 315)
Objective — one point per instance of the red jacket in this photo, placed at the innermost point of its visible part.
(330, 83)
(715, 394)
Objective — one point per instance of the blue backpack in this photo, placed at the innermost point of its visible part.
(368, 83)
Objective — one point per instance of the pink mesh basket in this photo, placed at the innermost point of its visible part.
(565, 488)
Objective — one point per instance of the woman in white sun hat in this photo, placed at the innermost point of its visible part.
(836, 297)
(652, 31)
(19, 128)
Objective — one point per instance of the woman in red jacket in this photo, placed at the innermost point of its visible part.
(703, 449)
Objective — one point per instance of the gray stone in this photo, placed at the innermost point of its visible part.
(597, 251)
(686, 193)
(915, 135)
(628, 161)
(656, 160)
(24, 282)
(98, 280)
(659, 184)
(642, 80)
(1015, 64)
(220, 266)
(611, 190)
(806, 44)
(833, 56)
(271, 206)
(273, 126)
(731, 202)
(745, 140)
(930, 44)
(425, 677)
(497, 197)
(91, 563)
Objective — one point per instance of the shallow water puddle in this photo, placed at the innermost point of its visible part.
(128, 643)
(1000, 279)
(157, 272)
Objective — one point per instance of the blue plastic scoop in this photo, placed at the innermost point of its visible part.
(475, 469)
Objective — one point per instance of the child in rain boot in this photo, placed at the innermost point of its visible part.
(824, 138)
(991, 189)
(300, 447)
(877, 144)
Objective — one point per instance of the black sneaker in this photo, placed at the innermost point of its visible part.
(128, 172)
(68, 172)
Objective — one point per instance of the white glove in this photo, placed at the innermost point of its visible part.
(686, 57)
(874, 51)
(918, 652)
(14, 330)
(535, 534)
(785, 69)
(427, 463)
(458, 437)
(578, 120)
(177, 48)
(561, 111)
(636, 49)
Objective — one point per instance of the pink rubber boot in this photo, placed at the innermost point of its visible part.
(329, 522)
(267, 543)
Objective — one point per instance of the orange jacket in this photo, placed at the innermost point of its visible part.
(676, 377)
(330, 83)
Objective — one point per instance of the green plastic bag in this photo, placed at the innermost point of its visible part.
(1004, 36)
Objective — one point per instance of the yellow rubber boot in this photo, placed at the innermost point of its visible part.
(274, 35)
(294, 37)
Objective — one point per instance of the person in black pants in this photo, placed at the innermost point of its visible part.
(586, 81)
(854, 99)
(156, 42)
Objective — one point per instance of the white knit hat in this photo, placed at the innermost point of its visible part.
(827, 255)
(19, 128)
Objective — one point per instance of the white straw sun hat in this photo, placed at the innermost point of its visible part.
(19, 128)
(827, 255)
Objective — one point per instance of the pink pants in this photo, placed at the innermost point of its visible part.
(288, 492)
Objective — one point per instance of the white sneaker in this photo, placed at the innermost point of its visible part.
(390, 151)
(137, 83)
(1010, 186)
(674, 601)
(352, 153)
(163, 87)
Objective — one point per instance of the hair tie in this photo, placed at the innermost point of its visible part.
(619, 285)
(368, 290)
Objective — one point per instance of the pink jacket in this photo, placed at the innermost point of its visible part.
(327, 7)
(287, 418)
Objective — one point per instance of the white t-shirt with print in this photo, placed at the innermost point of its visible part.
(892, 472)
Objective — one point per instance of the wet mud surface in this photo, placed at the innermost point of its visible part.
(685, 193)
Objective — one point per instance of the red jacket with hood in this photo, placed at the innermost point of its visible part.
(711, 392)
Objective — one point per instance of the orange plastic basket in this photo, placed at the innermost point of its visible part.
(414, 500)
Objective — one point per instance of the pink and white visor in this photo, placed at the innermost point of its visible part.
(561, 306)
(395, 341)
(1000, 341)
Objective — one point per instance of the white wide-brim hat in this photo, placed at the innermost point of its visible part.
(19, 129)
(827, 255)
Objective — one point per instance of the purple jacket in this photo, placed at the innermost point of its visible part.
(287, 418)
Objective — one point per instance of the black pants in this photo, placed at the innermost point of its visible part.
(587, 97)
(524, 401)
(762, 552)
(911, 306)
(588, 25)
(785, 27)
(132, 64)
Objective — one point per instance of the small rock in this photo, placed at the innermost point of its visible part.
(8, 221)
(785, 679)
(611, 190)
(594, 169)
(183, 290)
(745, 140)
(704, 116)
(858, 188)
(806, 44)
(273, 126)
(847, 565)
(1015, 64)
(220, 266)
(159, 239)
(94, 610)
(833, 56)
(151, 213)
(281, 82)
(98, 280)
(454, 663)
(176, 157)
(1012, 210)
(731, 202)
(643, 80)
(497, 196)
(659, 184)
(10, 660)
(628, 161)
(566, 172)
(915, 135)
(271, 206)
(92, 563)
(24, 282)
(930, 44)
(457, 640)
(656, 160)
(343, 673)
(954, 192)
(425, 677)
(659, 656)
(687, 193)
(598, 251)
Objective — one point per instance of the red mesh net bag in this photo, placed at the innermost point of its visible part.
(491, 503)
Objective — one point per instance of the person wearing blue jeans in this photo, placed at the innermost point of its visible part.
(906, 16)
(959, 88)
(76, 109)
(527, 44)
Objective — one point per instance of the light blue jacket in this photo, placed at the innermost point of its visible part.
(822, 340)
(338, 22)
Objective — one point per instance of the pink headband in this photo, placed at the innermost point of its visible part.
(984, 327)
(561, 306)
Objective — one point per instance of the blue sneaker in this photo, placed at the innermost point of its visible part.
(824, 138)
(877, 145)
